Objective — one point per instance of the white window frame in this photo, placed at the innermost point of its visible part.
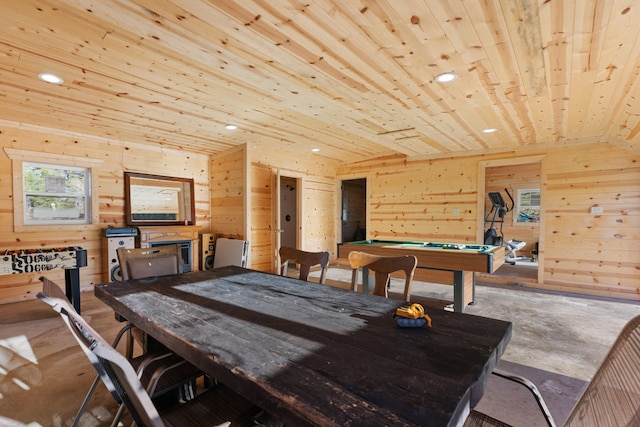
(519, 207)
(21, 157)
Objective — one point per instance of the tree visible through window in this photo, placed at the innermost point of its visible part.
(56, 194)
(528, 206)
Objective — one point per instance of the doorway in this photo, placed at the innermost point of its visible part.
(354, 210)
(520, 229)
(289, 211)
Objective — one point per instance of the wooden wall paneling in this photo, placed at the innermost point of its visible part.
(261, 217)
(319, 215)
(112, 204)
(595, 253)
(416, 200)
(228, 192)
(317, 201)
(583, 252)
(115, 157)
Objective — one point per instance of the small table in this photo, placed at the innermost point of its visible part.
(449, 263)
(316, 355)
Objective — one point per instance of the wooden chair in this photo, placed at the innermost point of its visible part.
(306, 260)
(612, 397)
(161, 372)
(138, 263)
(383, 267)
(214, 406)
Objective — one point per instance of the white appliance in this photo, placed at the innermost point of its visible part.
(231, 252)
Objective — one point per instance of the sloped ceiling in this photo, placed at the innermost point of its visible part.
(354, 79)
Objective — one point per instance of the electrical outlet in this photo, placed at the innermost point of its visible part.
(597, 210)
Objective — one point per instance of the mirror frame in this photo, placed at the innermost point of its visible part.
(189, 199)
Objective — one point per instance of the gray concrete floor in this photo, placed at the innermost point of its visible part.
(558, 339)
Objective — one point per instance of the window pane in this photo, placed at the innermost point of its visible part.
(49, 179)
(55, 208)
(55, 194)
(528, 206)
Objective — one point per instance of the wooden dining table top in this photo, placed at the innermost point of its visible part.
(313, 354)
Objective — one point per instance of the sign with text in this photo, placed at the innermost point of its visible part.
(32, 261)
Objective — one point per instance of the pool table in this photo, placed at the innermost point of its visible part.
(449, 263)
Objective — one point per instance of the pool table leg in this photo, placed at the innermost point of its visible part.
(458, 291)
(464, 289)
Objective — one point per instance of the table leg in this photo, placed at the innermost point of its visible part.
(72, 286)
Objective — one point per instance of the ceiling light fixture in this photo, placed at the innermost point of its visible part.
(231, 127)
(315, 150)
(489, 130)
(50, 78)
(446, 77)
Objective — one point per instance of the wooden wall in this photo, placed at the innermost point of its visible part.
(583, 252)
(317, 205)
(417, 199)
(261, 165)
(228, 193)
(116, 157)
(593, 253)
(420, 199)
(262, 217)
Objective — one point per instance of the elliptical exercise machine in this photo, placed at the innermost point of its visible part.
(492, 237)
(499, 209)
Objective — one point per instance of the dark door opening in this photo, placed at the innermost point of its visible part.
(354, 210)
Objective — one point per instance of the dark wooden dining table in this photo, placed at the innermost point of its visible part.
(313, 354)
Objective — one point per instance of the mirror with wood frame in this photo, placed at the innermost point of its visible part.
(158, 200)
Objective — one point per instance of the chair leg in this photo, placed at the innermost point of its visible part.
(533, 389)
(129, 347)
(125, 330)
(85, 402)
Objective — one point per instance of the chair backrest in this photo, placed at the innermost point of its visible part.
(114, 369)
(383, 267)
(53, 295)
(306, 261)
(612, 397)
(138, 263)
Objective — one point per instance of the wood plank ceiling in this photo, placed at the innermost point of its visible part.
(354, 78)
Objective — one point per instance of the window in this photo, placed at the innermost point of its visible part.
(528, 206)
(56, 194)
(51, 189)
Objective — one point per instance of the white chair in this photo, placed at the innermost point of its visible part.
(162, 371)
(215, 406)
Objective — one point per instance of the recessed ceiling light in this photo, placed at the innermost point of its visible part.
(446, 77)
(231, 127)
(315, 150)
(50, 78)
(489, 130)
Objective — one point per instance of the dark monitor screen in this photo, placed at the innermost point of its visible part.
(496, 199)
